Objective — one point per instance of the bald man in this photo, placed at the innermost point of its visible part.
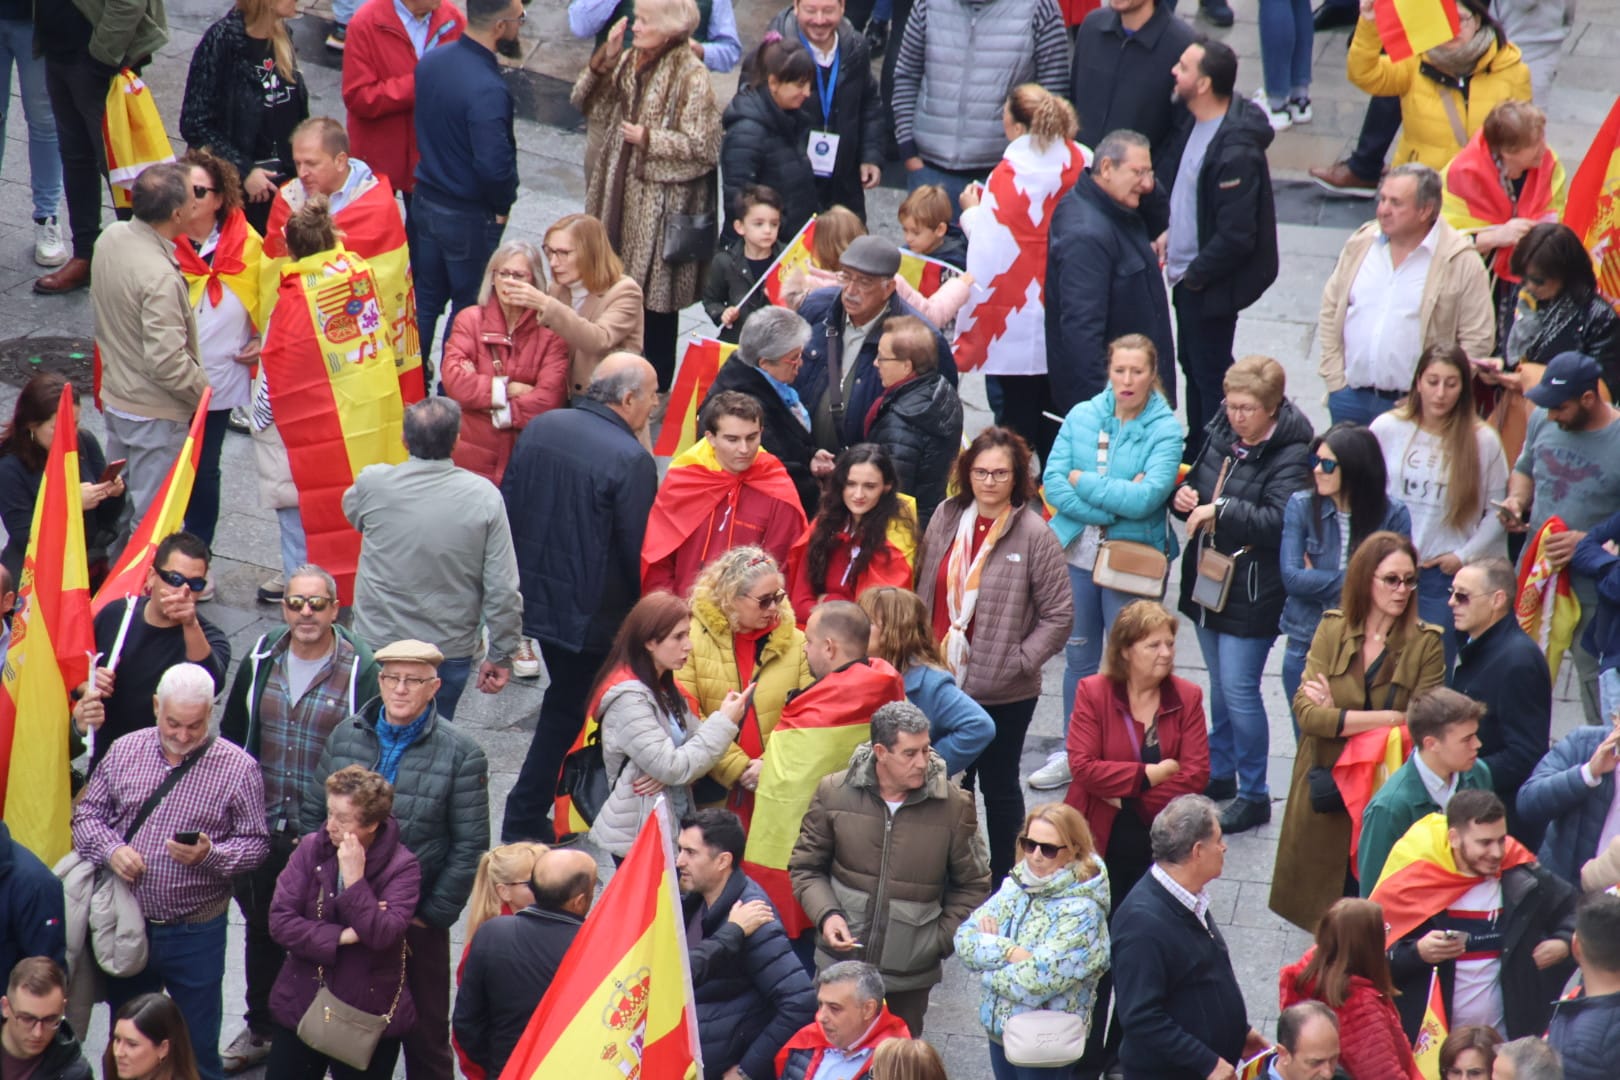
(578, 489)
(512, 960)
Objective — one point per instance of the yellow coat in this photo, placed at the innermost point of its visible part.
(1427, 134)
(710, 673)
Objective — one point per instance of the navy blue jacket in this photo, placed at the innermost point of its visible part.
(508, 969)
(749, 1008)
(31, 907)
(464, 129)
(1585, 1032)
(1505, 671)
(824, 311)
(1175, 994)
(578, 491)
(1556, 799)
(1602, 637)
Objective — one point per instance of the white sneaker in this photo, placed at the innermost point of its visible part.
(525, 664)
(49, 250)
(1299, 109)
(1280, 119)
(1054, 774)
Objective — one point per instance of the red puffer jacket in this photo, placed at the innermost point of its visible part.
(1372, 1045)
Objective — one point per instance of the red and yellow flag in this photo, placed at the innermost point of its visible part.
(132, 132)
(1593, 211)
(51, 639)
(334, 391)
(621, 1003)
(166, 515)
(1364, 765)
(819, 730)
(1408, 27)
(237, 265)
(796, 256)
(925, 273)
(1421, 879)
(1547, 607)
(698, 368)
(1433, 1031)
(1474, 198)
(370, 227)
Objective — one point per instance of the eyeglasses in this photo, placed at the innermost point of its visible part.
(557, 252)
(1396, 581)
(175, 579)
(38, 1023)
(1240, 410)
(202, 192)
(881, 359)
(308, 603)
(1326, 464)
(992, 476)
(1030, 847)
(514, 275)
(853, 279)
(413, 682)
(769, 600)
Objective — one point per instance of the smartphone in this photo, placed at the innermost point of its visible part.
(110, 473)
(1501, 504)
(187, 838)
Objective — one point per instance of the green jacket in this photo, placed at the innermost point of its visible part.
(1398, 805)
(124, 31)
(240, 724)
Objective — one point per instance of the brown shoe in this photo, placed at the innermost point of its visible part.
(1340, 180)
(75, 274)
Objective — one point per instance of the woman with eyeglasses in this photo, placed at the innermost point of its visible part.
(864, 534)
(1255, 456)
(149, 1041)
(501, 365)
(743, 633)
(1469, 1053)
(652, 742)
(1041, 941)
(503, 885)
(1370, 657)
(1446, 465)
(993, 579)
(1323, 526)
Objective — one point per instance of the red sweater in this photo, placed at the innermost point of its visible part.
(1371, 1041)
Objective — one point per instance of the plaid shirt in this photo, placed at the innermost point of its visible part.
(292, 733)
(221, 796)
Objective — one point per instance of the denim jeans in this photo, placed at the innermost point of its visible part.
(44, 159)
(186, 961)
(1433, 596)
(1293, 673)
(1286, 36)
(953, 181)
(1002, 1069)
(1609, 693)
(294, 551)
(453, 675)
(449, 250)
(1357, 406)
(1095, 609)
(343, 10)
(1240, 736)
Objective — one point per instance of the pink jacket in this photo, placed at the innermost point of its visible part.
(480, 358)
(379, 86)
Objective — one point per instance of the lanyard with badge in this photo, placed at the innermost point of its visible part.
(823, 144)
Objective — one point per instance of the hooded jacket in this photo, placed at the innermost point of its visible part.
(1148, 445)
(919, 422)
(1371, 1042)
(63, 1059)
(240, 723)
(764, 145)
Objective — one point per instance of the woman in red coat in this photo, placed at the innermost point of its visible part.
(1348, 972)
(501, 365)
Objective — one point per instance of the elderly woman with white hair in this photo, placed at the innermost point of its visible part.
(501, 365)
(764, 366)
(654, 128)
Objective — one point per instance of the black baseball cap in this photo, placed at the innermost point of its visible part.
(1568, 376)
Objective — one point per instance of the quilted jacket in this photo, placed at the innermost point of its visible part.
(1371, 1042)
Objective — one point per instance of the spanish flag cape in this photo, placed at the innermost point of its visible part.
(52, 639)
(1421, 878)
(1368, 759)
(335, 394)
(370, 227)
(1547, 607)
(1409, 27)
(1475, 198)
(132, 134)
(621, 1003)
(237, 265)
(820, 728)
(895, 565)
(695, 486)
(699, 366)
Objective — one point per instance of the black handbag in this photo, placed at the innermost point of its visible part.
(585, 778)
(689, 237)
(1326, 798)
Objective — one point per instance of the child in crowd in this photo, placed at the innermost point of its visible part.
(925, 218)
(736, 268)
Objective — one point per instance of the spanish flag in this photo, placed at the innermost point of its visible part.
(1432, 1033)
(1409, 27)
(1592, 210)
(51, 640)
(1421, 878)
(370, 227)
(1547, 607)
(133, 134)
(166, 515)
(236, 265)
(1366, 762)
(1474, 198)
(335, 395)
(797, 255)
(621, 1003)
(820, 728)
(924, 273)
(698, 368)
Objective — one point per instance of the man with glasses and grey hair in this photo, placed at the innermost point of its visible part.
(851, 1019)
(1404, 284)
(177, 813)
(1176, 997)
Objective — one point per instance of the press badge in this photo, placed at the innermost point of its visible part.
(823, 152)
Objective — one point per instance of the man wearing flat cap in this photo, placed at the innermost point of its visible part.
(441, 801)
(1570, 467)
(839, 381)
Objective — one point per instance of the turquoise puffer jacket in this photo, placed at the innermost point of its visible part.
(1150, 444)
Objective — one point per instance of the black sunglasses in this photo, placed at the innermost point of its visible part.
(312, 603)
(1326, 464)
(202, 192)
(175, 579)
(1029, 847)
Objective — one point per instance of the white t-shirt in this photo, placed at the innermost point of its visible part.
(1477, 991)
(1416, 461)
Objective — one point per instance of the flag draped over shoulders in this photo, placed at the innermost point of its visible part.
(1421, 879)
(237, 264)
(1476, 198)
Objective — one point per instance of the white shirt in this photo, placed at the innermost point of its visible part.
(1418, 476)
(222, 331)
(1383, 334)
(1197, 904)
(1439, 790)
(1476, 996)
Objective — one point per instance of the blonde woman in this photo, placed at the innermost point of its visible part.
(504, 885)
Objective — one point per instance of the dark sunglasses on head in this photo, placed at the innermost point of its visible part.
(202, 192)
(312, 603)
(1029, 847)
(1326, 464)
(174, 579)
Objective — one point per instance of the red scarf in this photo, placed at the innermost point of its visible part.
(227, 260)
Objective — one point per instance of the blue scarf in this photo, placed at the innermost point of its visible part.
(396, 740)
(790, 398)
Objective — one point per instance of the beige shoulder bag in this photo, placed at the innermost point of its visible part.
(336, 1028)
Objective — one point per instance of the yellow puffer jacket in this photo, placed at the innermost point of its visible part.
(1427, 133)
(711, 673)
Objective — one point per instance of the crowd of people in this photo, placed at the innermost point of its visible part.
(815, 646)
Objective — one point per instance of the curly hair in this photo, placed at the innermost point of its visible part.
(729, 576)
(226, 181)
(832, 515)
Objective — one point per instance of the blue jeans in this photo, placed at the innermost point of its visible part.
(453, 675)
(1357, 406)
(1095, 610)
(1001, 1069)
(1609, 693)
(449, 250)
(186, 961)
(44, 159)
(294, 552)
(1434, 592)
(343, 11)
(952, 181)
(1286, 36)
(1240, 736)
(1293, 672)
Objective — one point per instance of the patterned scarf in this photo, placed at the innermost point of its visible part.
(962, 583)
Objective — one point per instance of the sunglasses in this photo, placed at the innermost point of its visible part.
(308, 603)
(201, 192)
(1396, 581)
(1030, 847)
(1326, 464)
(174, 579)
(769, 600)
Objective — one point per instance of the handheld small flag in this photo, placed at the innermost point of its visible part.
(795, 256)
(1547, 607)
(698, 369)
(1433, 1032)
(1592, 210)
(1409, 27)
